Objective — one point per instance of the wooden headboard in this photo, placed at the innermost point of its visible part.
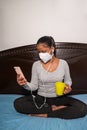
(74, 53)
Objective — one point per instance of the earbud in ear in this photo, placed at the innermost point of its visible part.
(52, 50)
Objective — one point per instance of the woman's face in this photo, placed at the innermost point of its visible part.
(45, 52)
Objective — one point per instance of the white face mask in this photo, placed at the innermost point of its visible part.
(45, 57)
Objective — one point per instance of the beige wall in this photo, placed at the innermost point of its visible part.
(22, 22)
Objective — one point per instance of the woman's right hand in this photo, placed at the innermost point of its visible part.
(21, 80)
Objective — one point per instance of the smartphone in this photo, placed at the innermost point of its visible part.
(19, 71)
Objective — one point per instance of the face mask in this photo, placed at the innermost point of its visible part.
(45, 57)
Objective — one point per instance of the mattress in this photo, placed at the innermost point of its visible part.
(10, 119)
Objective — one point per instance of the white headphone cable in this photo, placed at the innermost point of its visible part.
(44, 103)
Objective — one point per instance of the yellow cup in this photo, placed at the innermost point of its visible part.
(59, 88)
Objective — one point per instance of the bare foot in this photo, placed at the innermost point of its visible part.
(39, 115)
(54, 107)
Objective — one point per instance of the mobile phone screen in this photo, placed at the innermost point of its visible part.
(19, 71)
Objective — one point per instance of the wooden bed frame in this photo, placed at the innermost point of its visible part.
(74, 53)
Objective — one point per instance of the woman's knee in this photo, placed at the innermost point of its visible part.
(17, 105)
(23, 106)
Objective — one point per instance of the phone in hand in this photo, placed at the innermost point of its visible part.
(19, 71)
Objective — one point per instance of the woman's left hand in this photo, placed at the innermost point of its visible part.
(67, 89)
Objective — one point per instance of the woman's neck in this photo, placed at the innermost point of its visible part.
(51, 65)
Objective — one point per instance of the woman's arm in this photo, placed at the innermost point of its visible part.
(67, 79)
(33, 85)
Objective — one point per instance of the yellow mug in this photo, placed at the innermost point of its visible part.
(59, 88)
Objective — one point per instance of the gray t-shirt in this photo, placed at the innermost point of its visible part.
(45, 81)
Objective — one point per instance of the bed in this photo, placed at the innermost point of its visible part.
(76, 56)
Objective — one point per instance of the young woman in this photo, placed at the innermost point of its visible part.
(45, 72)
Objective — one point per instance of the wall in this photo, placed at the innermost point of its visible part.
(22, 22)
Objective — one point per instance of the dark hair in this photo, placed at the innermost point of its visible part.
(47, 40)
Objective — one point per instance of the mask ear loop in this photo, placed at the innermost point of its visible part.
(33, 96)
